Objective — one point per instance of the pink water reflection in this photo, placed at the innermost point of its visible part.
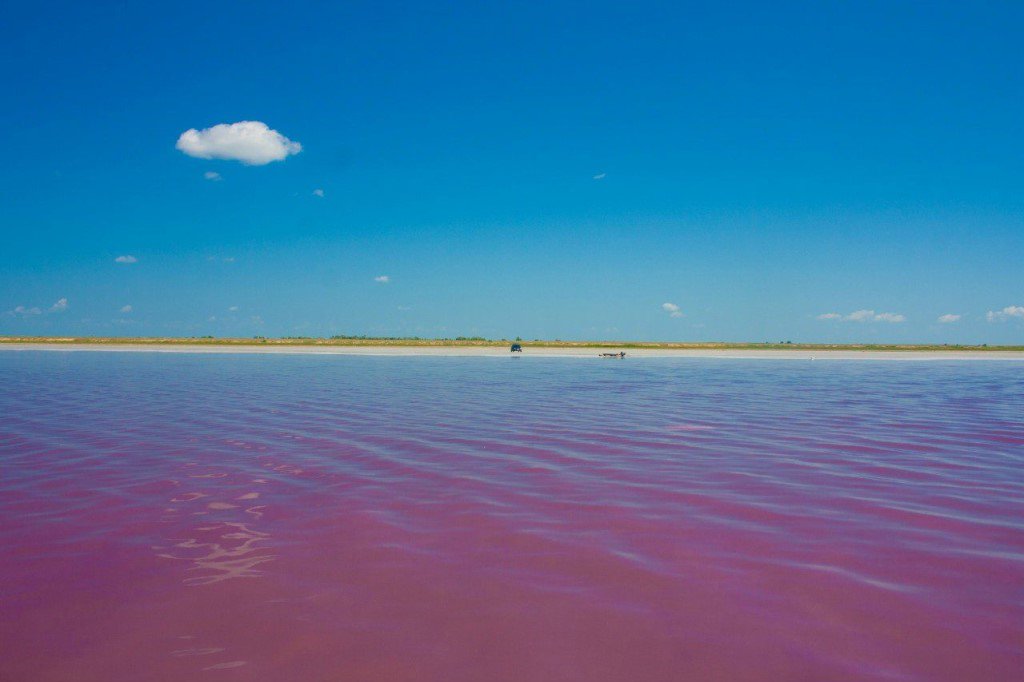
(271, 518)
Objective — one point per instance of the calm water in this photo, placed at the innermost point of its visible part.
(178, 517)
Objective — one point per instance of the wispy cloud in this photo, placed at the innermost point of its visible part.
(213, 176)
(600, 176)
(1005, 314)
(22, 311)
(949, 318)
(253, 143)
(126, 309)
(672, 309)
(233, 309)
(860, 316)
(864, 316)
(318, 193)
(126, 259)
(382, 279)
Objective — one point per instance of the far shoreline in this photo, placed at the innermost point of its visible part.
(486, 348)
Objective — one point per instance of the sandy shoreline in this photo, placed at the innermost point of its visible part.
(475, 351)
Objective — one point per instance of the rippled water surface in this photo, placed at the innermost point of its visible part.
(178, 517)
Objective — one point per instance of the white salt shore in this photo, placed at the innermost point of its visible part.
(528, 352)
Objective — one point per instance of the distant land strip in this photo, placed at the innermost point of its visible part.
(464, 342)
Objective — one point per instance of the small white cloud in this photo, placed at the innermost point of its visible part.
(1005, 314)
(864, 316)
(233, 309)
(672, 309)
(253, 143)
(382, 279)
(404, 308)
(600, 176)
(126, 309)
(213, 176)
(949, 318)
(860, 316)
(127, 259)
(22, 311)
(318, 193)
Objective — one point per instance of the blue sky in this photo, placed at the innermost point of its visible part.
(555, 170)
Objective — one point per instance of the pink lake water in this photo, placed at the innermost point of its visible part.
(223, 517)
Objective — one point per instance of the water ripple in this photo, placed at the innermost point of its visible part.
(439, 518)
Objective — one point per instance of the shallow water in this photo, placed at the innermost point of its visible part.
(175, 516)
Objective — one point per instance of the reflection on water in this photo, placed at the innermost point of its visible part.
(220, 552)
(324, 518)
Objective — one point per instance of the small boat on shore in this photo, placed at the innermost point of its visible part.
(620, 354)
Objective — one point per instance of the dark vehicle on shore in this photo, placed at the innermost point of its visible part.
(516, 348)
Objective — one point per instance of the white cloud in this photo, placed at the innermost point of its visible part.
(213, 176)
(949, 318)
(672, 309)
(382, 279)
(233, 309)
(600, 176)
(22, 311)
(860, 316)
(1005, 314)
(126, 309)
(864, 316)
(251, 142)
(318, 193)
(126, 259)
